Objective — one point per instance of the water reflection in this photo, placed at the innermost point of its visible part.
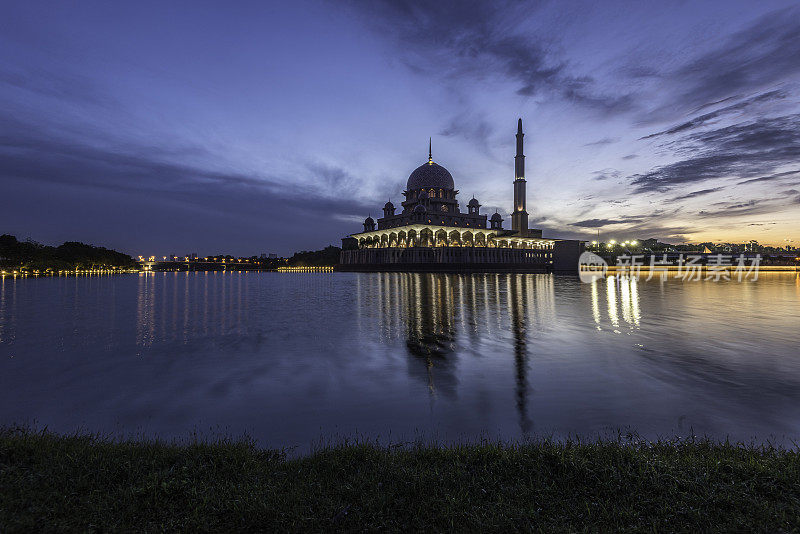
(518, 304)
(622, 297)
(429, 308)
(440, 316)
(183, 306)
(290, 357)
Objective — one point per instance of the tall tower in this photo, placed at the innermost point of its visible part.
(519, 219)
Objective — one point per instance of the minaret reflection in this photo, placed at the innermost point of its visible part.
(425, 309)
(518, 310)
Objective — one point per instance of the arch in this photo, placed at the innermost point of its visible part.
(384, 242)
(454, 238)
(480, 239)
(441, 238)
(402, 239)
(393, 239)
(425, 237)
(411, 239)
(467, 239)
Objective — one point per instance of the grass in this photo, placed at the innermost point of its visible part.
(87, 483)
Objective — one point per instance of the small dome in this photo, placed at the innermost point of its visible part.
(388, 206)
(430, 175)
(419, 208)
(473, 203)
(496, 217)
(369, 220)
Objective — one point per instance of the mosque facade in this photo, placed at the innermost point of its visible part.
(429, 231)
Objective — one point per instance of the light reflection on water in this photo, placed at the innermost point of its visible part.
(292, 357)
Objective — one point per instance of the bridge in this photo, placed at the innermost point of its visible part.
(200, 265)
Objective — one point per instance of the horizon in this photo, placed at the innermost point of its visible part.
(255, 128)
(636, 242)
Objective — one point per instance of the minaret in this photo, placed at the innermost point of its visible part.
(519, 219)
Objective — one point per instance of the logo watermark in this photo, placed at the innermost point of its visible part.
(689, 267)
(591, 267)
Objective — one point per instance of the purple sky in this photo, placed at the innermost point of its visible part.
(249, 127)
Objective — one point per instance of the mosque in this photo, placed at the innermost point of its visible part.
(431, 233)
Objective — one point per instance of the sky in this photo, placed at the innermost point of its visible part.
(269, 127)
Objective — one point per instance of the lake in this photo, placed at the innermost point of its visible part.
(295, 358)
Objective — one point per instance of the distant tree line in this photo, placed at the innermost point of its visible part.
(30, 255)
(328, 256)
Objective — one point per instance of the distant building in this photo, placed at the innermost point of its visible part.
(432, 233)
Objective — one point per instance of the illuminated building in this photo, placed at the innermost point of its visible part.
(432, 233)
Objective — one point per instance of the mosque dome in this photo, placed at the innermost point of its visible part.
(388, 206)
(430, 175)
(474, 203)
(369, 220)
(496, 217)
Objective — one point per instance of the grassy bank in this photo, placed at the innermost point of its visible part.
(87, 483)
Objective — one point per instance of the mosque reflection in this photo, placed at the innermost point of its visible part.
(445, 323)
(445, 318)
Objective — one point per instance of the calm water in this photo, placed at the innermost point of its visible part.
(290, 358)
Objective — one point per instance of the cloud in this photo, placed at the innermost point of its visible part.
(699, 193)
(779, 176)
(471, 127)
(476, 40)
(124, 185)
(630, 156)
(597, 223)
(604, 141)
(63, 86)
(333, 178)
(653, 227)
(708, 117)
(759, 56)
(742, 150)
(606, 174)
(750, 207)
